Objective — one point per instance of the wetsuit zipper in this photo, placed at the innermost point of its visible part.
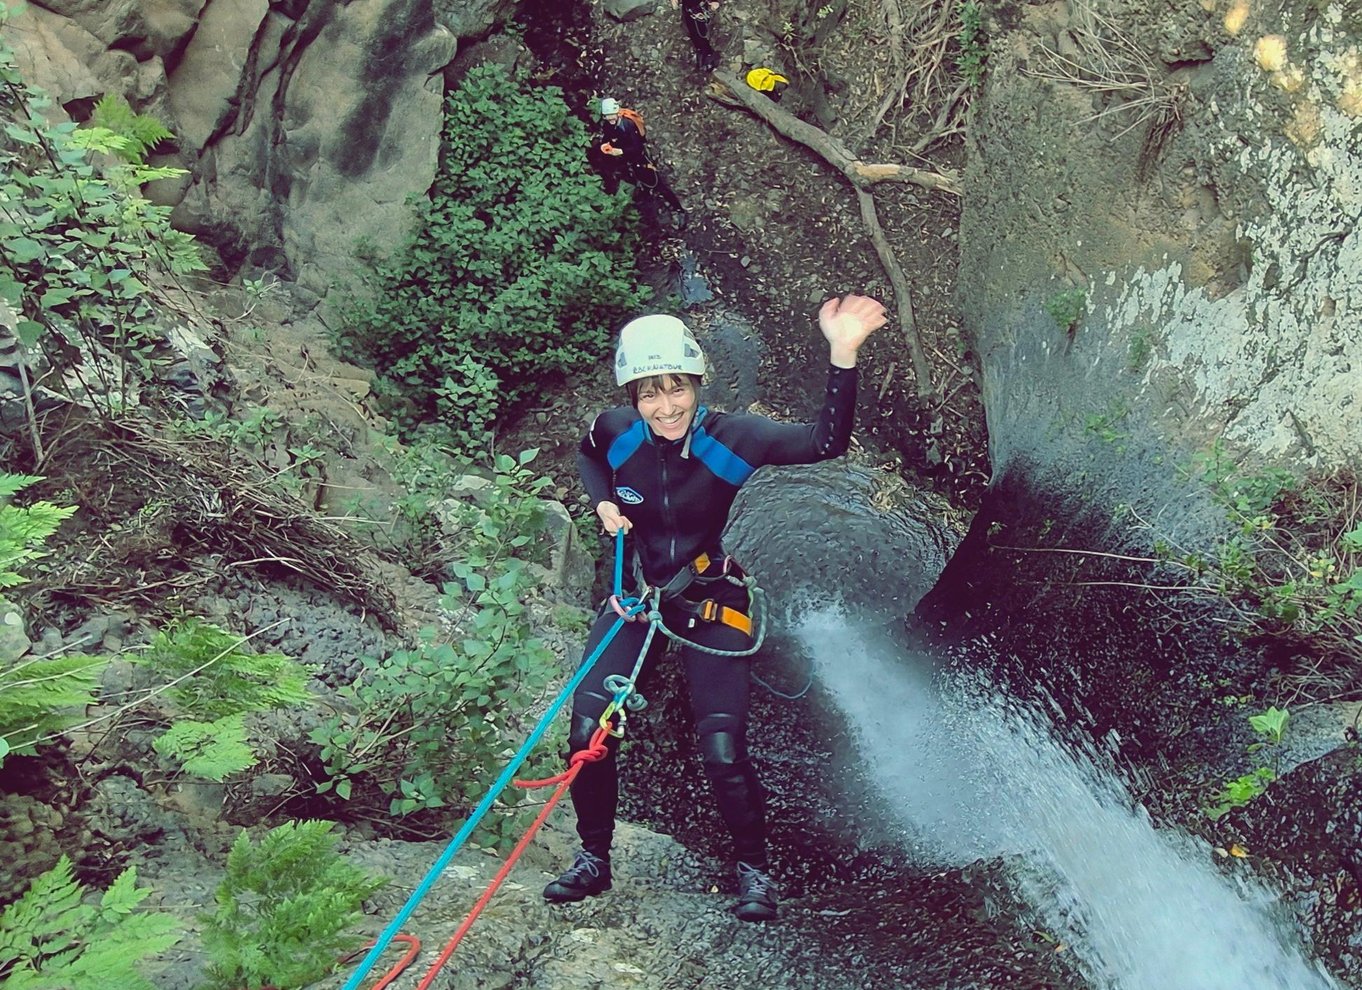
(667, 510)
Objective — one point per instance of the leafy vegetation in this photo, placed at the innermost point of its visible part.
(283, 909)
(41, 697)
(23, 531)
(1270, 725)
(972, 58)
(78, 242)
(215, 683)
(518, 268)
(1292, 564)
(51, 937)
(431, 725)
(1066, 308)
(37, 696)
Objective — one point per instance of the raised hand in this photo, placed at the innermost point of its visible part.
(846, 323)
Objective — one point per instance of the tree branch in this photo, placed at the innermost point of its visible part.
(727, 89)
(926, 391)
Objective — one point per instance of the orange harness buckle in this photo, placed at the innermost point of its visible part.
(711, 611)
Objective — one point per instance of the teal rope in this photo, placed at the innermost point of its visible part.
(758, 598)
(423, 888)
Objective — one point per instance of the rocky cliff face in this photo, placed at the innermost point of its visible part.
(1194, 168)
(304, 124)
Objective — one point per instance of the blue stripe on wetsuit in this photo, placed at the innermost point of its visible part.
(626, 444)
(725, 464)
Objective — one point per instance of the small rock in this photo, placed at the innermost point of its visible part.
(89, 632)
(14, 641)
(271, 784)
(628, 10)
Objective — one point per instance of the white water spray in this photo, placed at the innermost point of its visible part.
(969, 775)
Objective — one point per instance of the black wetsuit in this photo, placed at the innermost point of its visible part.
(634, 165)
(678, 496)
(697, 16)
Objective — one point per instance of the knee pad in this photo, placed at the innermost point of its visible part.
(722, 746)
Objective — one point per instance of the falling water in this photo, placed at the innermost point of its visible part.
(971, 774)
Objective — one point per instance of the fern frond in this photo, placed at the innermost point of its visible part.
(212, 750)
(283, 908)
(141, 132)
(11, 484)
(24, 530)
(40, 697)
(103, 141)
(180, 253)
(123, 895)
(51, 938)
(233, 681)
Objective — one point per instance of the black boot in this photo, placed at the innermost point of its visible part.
(758, 895)
(588, 876)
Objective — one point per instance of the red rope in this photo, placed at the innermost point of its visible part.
(595, 751)
(396, 971)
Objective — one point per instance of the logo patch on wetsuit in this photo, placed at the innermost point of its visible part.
(628, 496)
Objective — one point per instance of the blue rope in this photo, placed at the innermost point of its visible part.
(423, 888)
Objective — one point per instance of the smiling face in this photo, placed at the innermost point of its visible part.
(614, 118)
(667, 404)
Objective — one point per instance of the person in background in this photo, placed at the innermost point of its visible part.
(665, 469)
(626, 152)
(698, 18)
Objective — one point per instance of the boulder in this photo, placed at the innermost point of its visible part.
(62, 58)
(204, 87)
(305, 126)
(143, 27)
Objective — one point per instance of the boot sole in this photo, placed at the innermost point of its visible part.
(572, 897)
(756, 912)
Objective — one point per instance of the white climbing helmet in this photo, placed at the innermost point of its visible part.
(609, 106)
(657, 345)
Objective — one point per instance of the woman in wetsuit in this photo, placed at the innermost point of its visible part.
(665, 469)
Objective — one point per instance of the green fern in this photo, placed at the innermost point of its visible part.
(12, 484)
(220, 683)
(232, 681)
(24, 530)
(212, 750)
(41, 697)
(52, 938)
(283, 909)
(138, 133)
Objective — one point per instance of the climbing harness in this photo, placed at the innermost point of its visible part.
(702, 571)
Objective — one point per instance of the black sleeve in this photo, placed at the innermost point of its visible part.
(593, 465)
(765, 441)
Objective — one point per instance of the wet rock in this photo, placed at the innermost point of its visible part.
(122, 813)
(572, 569)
